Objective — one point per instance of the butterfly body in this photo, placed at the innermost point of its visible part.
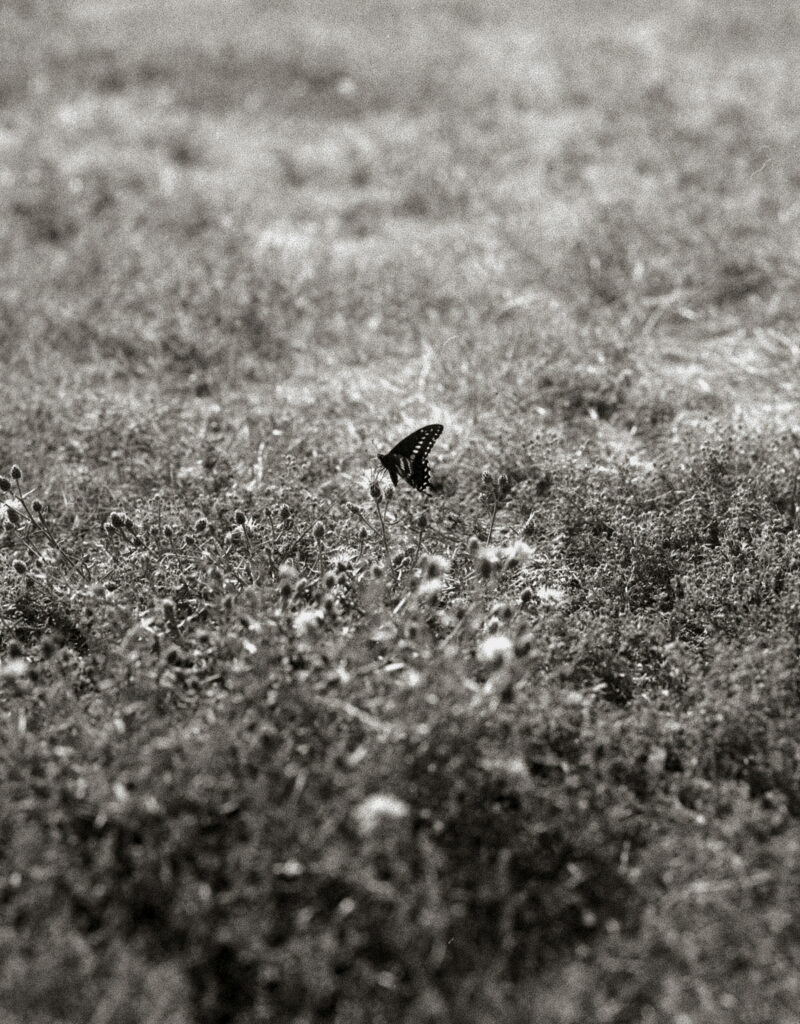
(409, 458)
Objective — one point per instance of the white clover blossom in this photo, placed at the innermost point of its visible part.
(429, 589)
(378, 810)
(495, 650)
(516, 554)
(307, 620)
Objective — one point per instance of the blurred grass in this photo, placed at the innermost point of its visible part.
(181, 182)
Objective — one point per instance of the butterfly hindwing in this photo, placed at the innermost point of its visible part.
(409, 458)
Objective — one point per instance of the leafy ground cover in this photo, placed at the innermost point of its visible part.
(280, 743)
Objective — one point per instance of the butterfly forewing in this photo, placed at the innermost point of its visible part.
(409, 459)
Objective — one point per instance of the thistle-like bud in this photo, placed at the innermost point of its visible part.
(473, 545)
(5, 483)
(436, 567)
(485, 565)
(16, 472)
(37, 506)
(318, 530)
(239, 517)
(13, 516)
(200, 525)
(487, 480)
(116, 520)
(502, 611)
(375, 492)
(19, 566)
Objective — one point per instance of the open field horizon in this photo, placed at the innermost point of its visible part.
(281, 743)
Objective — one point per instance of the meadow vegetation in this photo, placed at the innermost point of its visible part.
(280, 743)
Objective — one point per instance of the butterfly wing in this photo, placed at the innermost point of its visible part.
(409, 458)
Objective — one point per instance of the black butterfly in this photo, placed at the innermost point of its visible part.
(409, 459)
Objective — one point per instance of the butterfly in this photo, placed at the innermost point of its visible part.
(409, 459)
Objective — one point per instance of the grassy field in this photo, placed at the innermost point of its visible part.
(280, 744)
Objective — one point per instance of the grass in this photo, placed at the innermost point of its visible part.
(282, 743)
